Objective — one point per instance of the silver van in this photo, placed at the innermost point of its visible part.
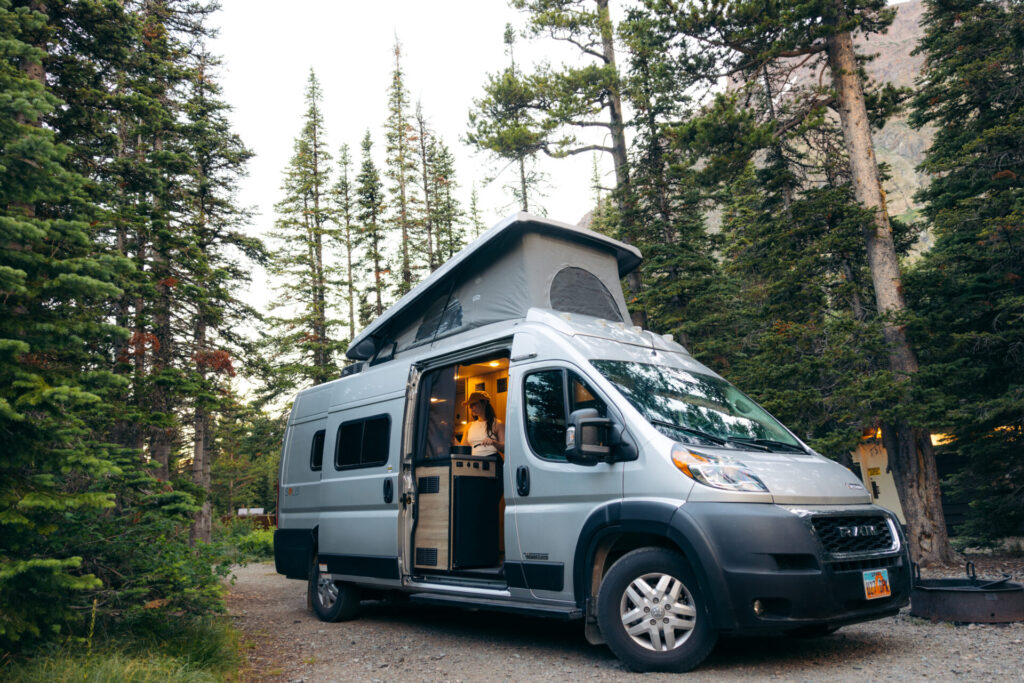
(634, 490)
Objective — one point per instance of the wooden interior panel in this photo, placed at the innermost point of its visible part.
(434, 514)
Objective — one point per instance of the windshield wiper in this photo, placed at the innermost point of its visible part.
(769, 443)
(718, 441)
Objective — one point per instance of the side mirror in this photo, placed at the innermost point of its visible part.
(588, 438)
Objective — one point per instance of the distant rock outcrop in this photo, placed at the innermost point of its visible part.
(897, 145)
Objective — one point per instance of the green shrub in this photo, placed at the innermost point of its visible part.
(259, 545)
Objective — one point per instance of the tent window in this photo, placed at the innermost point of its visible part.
(440, 318)
(575, 290)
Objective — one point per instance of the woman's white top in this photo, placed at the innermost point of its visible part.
(477, 433)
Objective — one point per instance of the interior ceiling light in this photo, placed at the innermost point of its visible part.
(494, 363)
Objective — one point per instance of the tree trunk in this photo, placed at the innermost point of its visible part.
(910, 452)
(522, 184)
(203, 523)
(624, 197)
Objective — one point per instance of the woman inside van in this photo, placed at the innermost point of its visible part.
(486, 433)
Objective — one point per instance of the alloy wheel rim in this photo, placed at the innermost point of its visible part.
(657, 612)
(327, 591)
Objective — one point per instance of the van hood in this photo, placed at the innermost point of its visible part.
(805, 478)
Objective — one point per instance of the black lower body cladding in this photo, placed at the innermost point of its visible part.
(766, 553)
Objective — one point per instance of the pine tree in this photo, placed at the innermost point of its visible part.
(425, 154)
(400, 169)
(211, 216)
(969, 288)
(447, 213)
(503, 123)
(475, 220)
(51, 383)
(345, 216)
(372, 233)
(305, 338)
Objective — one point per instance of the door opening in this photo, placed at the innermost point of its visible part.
(458, 473)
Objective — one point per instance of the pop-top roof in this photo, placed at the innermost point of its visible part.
(522, 262)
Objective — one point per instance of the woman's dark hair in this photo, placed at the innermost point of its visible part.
(489, 417)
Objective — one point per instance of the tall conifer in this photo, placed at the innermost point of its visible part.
(372, 233)
(50, 383)
(970, 286)
(400, 169)
(306, 337)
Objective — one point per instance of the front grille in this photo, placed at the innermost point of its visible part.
(844, 535)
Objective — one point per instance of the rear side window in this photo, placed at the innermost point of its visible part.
(362, 443)
(316, 453)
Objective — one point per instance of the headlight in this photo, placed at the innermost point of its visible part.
(719, 471)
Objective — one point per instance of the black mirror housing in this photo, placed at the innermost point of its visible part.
(588, 438)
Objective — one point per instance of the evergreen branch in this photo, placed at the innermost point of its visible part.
(573, 152)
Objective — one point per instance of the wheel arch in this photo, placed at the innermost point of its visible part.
(615, 529)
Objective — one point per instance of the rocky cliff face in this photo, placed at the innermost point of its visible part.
(898, 145)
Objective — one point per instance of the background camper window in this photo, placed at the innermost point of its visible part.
(548, 405)
(316, 453)
(362, 443)
(575, 290)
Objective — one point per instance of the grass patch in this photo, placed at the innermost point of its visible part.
(181, 651)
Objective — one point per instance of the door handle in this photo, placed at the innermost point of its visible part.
(389, 490)
(523, 480)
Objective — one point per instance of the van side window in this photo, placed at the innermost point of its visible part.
(362, 443)
(375, 441)
(348, 446)
(548, 404)
(316, 453)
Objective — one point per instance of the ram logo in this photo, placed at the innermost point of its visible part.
(856, 531)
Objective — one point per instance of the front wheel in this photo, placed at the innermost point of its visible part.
(332, 600)
(652, 614)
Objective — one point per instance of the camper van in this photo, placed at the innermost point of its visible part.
(507, 440)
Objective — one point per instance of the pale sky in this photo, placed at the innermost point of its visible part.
(448, 49)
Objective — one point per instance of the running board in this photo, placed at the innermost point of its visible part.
(566, 613)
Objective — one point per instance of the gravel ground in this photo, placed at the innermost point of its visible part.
(412, 642)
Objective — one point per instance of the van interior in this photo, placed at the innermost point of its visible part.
(459, 525)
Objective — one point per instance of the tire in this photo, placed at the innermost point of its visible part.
(634, 592)
(331, 600)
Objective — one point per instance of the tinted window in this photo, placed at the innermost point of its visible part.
(316, 454)
(544, 398)
(375, 441)
(575, 290)
(363, 443)
(349, 446)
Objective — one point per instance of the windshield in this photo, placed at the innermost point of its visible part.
(695, 408)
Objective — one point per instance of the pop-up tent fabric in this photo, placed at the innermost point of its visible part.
(523, 262)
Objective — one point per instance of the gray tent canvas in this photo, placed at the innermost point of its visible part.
(521, 263)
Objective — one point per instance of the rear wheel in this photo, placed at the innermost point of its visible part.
(652, 614)
(331, 600)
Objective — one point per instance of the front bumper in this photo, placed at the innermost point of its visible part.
(778, 558)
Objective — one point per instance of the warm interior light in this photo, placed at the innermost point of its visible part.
(494, 363)
(434, 399)
(464, 422)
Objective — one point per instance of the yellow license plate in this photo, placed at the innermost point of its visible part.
(876, 584)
